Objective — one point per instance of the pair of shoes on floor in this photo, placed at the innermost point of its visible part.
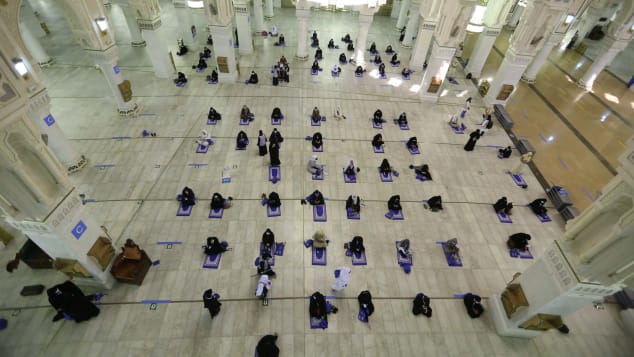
(303, 201)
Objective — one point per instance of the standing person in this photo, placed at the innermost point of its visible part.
(262, 143)
(473, 138)
(266, 347)
(342, 276)
(211, 303)
(276, 137)
(274, 152)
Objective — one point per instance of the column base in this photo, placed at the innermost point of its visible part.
(138, 44)
(301, 58)
(528, 80)
(428, 98)
(268, 17)
(406, 46)
(503, 326)
(132, 112)
(47, 63)
(78, 166)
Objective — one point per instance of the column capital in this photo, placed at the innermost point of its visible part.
(428, 25)
(496, 13)
(150, 25)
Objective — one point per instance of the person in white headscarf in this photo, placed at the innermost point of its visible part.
(264, 285)
(312, 165)
(350, 169)
(339, 113)
(342, 276)
(204, 138)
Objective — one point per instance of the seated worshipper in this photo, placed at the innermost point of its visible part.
(275, 136)
(394, 61)
(281, 40)
(319, 239)
(268, 239)
(350, 169)
(454, 122)
(331, 43)
(242, 140)
(421, 305)
(211, 303)
(434, 203)
(339, 113)
(68, 299)
(314, 43)
(402, 119)
(182, 49)
(181, 79)
(406, 71)
(245, 113)
(283, 60)
(377, 140)
(218, 202)
(403, 249)
(202, 64)
(389, 49)
(412, 143)
(506, 152)
(336, 69)
(365, 303)
(353, 204)
(382, 69)
(385, 167)
(266, 346)
(402, 36)
(502, 205)
(213, 114)
(273, 31)
(206, 52)
(378, 116)
(253, 79)
(314, 36)
(377, 59)
(359, 70)
(356, 245)
(346, 38)
(317, 140)
(319, 54)
(342, 58)
(422, 170)
(264, 267)
(538, 206)
(274, 200)
(316, 198)
(204, 139)
(315, 117)
(394, 203)
(214, 246)
(350, 46)
(315, 67)
(276, 114)
(210, 40)
(317, 306)
(472, 303)
(264, 285)
(187, 197)
(518, 241)
(213, 77)
(425, 65)
(312, 166)
(373, 47)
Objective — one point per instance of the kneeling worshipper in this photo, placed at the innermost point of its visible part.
(214, 246)
(187, 197)
(402, 119)
(318, 307)
(316, 116)
(403, 249)
(412, 143)
(312, 166)
(350, 169)
(506, 152)
(204, 139)
(385, 167)
(394, 203)
(245, 113)
(359, 70)
(377, 118)
(377, 141)
(518, 241)
(353, 204)
(274, 200)
(342, 276)
(473, 305)
(537, 206)
(422, 170)
(317, 140)
(502, 205)
(218, 202)
(316, 198)
(242, 140)
(434, 203)
(69, 301)
(268, 239)
(253, 79)
(181, 79)
(366, 307)
(267, 348)
(421, 305)
(277, 113)
(213, 114)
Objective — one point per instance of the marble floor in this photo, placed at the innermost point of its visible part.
(135, 199)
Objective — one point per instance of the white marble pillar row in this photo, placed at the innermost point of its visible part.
(515, 16)
(396, 7)
(35, 48)
(258, 16)
(225, 53)
(609, 49)
(531, 72)
(243, 23)
(364, 27)
(157, 48)
(412, 26)
(268, 9)
(107, 62)
(136, 40)
(438, 65)
(421, 47)
(509, 73)
(402, 14)
(481, 51)
(39, 110)
(302, 31)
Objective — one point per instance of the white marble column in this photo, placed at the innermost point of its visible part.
(438, 65)
(531, 72)
(481, 51)
(157, 49)
(509, 73)
(412, 26)
(39, 109)
(609, 49)
(268, 9)
(515, 16)
(225, 53)
(258, 16)
(402, 14)
(243, 23)
(364, 27)
(421, 47)
(396, 7)
(35, 48)
(107, 61)
(277, 4)
(136, 40)
(302, 31)
(183, 25)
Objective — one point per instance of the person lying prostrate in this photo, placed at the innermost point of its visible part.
(502, 205)
(394, 203)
